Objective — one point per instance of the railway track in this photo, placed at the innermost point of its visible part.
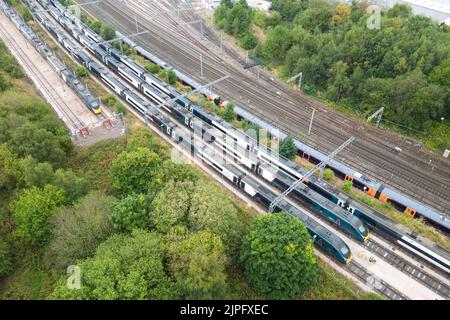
(408, 268)
(357, 269)
(51, 96)
(387, 168)
(377, 284)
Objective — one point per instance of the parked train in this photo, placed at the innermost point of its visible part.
(67, 75)
(321, 205)
(321, 236)
(263, 156)
(373, 188)
(144, 107)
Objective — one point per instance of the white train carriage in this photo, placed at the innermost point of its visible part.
(130, 77)
(113, 83)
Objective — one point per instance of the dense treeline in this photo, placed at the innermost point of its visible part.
(403, 66)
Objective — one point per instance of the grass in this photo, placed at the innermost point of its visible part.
(332, 286)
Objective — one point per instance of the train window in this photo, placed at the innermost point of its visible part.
(344, 250)
(362, 229)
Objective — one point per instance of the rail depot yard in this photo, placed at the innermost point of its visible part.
(176, 167)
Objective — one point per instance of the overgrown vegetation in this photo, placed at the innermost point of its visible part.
(403, 66)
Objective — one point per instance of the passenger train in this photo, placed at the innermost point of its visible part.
(239, 139)
(55, 62)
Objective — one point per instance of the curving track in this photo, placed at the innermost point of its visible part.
(370, 153)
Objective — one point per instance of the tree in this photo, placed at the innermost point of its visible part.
(137, 171)
(441, 74)
(11, 169)
(278, 256)
(287, 148)
(108, 32)
(171, 76)
(131, 212)
(249, 41)
(6, 261)
(124, 267)
(74, 185)
(37, 174)
(32, 210)
(78, 230)
(277, 43)
(198, 264)
(40, 143)
(340, 83)
(171, 206)
(341, 14)
(228, 114)
(210, 209)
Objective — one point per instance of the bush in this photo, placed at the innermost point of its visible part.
(81, 72)
(328, 174)
(287, 148)
(151, 67)
(25, 13)
(108, 32)
(120, 108)
(171, 76)
(347, 187)
(77, 231)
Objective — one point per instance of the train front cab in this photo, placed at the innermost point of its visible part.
(343, 254)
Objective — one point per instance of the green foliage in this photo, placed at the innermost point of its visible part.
(228, 113)
(29, 127)
(131, 212)
(210, 209)
(81, 71)
(74, 185)
(37, 174)
(287, 148)
(6, 260)
(278, 256)
(25, 13)
(235, 18)
(78, 230)
(120, 108)
(8, 64)
(108, 32)
(11, 169)
(4, 83)
(347, 187)
(139, 171)
(398, 67)
(328, 174)
(171, 206)
(124, 267)
(171, 76)
(152, 67)
(41, 174)
(198, 262)
(32, 210)
(249, 41)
